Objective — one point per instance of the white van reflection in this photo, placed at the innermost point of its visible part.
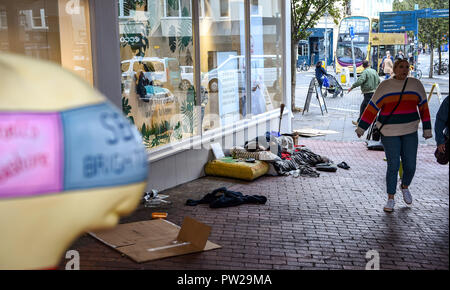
(265, 68)
(187, 77)
(163, 71)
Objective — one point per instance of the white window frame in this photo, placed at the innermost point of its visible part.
(3, 17)
(179, 10)
(122, 11)
(29, 16)
(228, 12)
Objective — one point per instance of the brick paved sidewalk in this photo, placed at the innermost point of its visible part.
(329, 222)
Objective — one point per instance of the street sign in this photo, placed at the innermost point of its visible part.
(401, 21)
(352, 33)
(398, 21)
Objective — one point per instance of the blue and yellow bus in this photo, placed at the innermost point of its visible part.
(368, 44)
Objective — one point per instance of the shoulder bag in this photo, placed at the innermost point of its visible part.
(376, 132)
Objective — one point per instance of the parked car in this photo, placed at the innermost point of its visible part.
(187, 77)
(265, 68)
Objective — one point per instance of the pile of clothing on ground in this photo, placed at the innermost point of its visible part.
(284, 157)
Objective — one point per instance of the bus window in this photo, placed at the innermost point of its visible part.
(384, 48)
(375, 57)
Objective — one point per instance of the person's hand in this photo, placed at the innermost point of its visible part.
(441, 148)
(359, 132)
(427, 134)
(348, 91)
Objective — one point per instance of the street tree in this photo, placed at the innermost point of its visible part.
(304, 15)
(432, 31)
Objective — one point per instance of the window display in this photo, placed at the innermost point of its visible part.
(157, 84)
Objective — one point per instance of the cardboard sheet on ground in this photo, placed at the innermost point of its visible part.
(156, 239)
(313, 132)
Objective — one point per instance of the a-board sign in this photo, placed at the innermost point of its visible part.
(314, 87)
(321, 100)
(309, 95)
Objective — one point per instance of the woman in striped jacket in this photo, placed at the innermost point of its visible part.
(399, 132)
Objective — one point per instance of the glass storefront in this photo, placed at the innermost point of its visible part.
(156, 42)
(54, 30)
(157, 57)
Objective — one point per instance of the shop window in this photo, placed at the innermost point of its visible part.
(49, 30)
(156, 51)
(266, 53)
(222, 64)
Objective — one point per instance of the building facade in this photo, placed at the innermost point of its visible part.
(187, 73)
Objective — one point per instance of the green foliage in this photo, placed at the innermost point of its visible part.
(306, 13)
(187, 109)
(172, 39)
(126, 109)
(160, 133)
(185, 30)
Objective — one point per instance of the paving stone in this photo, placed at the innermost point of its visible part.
(329, 222)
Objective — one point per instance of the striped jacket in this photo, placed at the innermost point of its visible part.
(406, 118)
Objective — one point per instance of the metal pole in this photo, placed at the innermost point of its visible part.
(326, 40)
(354, 64)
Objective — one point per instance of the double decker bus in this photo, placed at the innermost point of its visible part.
(368, 44)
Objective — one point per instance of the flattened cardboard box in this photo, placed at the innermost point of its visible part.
(156, 239)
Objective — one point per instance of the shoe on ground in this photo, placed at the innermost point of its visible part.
(389, 207)
(355, 123)
(407, 197)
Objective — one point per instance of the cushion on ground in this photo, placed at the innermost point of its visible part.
(228, 167)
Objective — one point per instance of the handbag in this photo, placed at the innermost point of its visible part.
(442, 157)
(326, 82)
(376, 132)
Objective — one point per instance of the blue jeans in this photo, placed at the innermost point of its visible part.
(387, 76)
(400, 146)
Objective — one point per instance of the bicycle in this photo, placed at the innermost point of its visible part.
(302, 67)
(444, 67)
(417, 71)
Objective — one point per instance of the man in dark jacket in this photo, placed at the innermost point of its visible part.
(369, 81)
(441, 128)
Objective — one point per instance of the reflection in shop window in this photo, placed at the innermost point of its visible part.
(44, 29)
(157, 71)
(224, 8)
(254, 7)
(178, 8)
(266, 52)
(222, 64)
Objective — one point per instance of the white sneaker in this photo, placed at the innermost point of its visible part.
(389, 207)
(406, 195)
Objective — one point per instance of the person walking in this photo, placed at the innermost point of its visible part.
(441, 130)
(401, 102)
(320, 73)
(399, 55)
(387, 65)
(369, 81)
